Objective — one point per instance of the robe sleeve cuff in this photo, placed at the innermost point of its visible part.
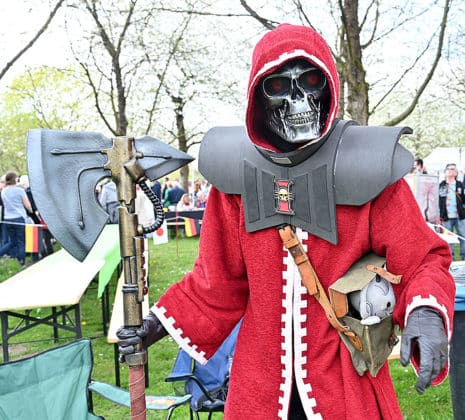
(178, 335)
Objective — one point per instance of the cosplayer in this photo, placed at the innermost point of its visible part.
(340, 187)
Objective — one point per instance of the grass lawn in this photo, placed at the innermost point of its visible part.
(168, 263)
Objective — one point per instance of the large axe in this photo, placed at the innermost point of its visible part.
(64, 168)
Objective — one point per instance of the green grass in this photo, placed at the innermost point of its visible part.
(168, 263)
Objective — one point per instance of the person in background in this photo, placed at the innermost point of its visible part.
(201, 200)
(451, 206)
(196, 188)
(185, 204)
(16, 204)
(109, 201)
(165, 191)
(23, 182)
(205, 187)
(173, 194)
(164, 187)
(45, 245)
(3, 230)
(156, 189)
(419, 166)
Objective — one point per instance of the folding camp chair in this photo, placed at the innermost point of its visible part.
(54, 385)
(208, 384)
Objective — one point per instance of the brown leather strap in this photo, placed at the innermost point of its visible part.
(384, 274)
(312, 283)
(291, 242)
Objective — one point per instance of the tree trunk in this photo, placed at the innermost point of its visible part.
(182, 138)
(355, 76)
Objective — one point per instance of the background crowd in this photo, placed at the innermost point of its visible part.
(18, 210)
(451, 202)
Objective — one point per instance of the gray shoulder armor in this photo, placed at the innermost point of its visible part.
(369, 159)
(353, 166)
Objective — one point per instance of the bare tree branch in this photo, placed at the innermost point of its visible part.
(399, 24)
(161, 76)
(411, 107)
(375, 26)
(401, 77)
(267, 23)
(96, 92)
(302, 14)
(33, 40)
(201, 13)
(114, 51)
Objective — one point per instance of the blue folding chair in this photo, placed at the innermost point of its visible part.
(208, 384)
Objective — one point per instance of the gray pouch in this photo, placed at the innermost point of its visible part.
(378, 339)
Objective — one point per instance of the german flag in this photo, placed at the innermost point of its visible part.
(191, 227)
(32, 238)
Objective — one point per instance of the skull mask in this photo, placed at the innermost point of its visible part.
(293, 97)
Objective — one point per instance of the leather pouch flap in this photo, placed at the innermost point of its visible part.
(356, 278)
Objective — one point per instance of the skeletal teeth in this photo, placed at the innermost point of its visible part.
(301, 118)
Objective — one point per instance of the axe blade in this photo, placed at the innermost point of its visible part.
(64, 168)
(159, 158)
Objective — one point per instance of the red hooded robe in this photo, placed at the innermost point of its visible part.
(285, 333)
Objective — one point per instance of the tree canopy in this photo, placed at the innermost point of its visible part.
(174, 69)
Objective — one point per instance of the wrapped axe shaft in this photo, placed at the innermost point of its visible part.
(125, 172)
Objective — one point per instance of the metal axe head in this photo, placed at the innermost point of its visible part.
(64, 168)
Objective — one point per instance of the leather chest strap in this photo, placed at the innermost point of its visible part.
(312, 283)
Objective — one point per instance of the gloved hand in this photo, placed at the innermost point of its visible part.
(149, 332)
(425, 329)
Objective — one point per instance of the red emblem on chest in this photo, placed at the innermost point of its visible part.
(283, 196)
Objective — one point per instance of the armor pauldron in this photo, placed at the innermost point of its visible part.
(305, 194)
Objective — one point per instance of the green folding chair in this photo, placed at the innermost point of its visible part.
(55, 385)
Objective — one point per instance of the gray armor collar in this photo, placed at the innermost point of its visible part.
(306, 193)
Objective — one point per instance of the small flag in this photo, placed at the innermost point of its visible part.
(191, 227)
(160, 236)
(32, 238)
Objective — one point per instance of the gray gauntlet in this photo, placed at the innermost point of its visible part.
(425, 333)
(149, 332)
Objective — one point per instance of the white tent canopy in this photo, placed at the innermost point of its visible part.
(437, 160)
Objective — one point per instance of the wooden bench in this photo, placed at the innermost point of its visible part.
(58, 282)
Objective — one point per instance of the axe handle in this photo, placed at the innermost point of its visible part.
(137, 392)
(125, 172)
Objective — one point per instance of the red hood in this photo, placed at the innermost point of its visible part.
(287, 42)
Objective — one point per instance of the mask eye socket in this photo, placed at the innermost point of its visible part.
(274, 86)
(312, 79)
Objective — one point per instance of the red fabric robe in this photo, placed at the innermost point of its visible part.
(285, 333)
(249, 274)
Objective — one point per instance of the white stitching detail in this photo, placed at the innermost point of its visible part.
(177, 334)
(431, 301)
(286, 337)
(300, 334)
